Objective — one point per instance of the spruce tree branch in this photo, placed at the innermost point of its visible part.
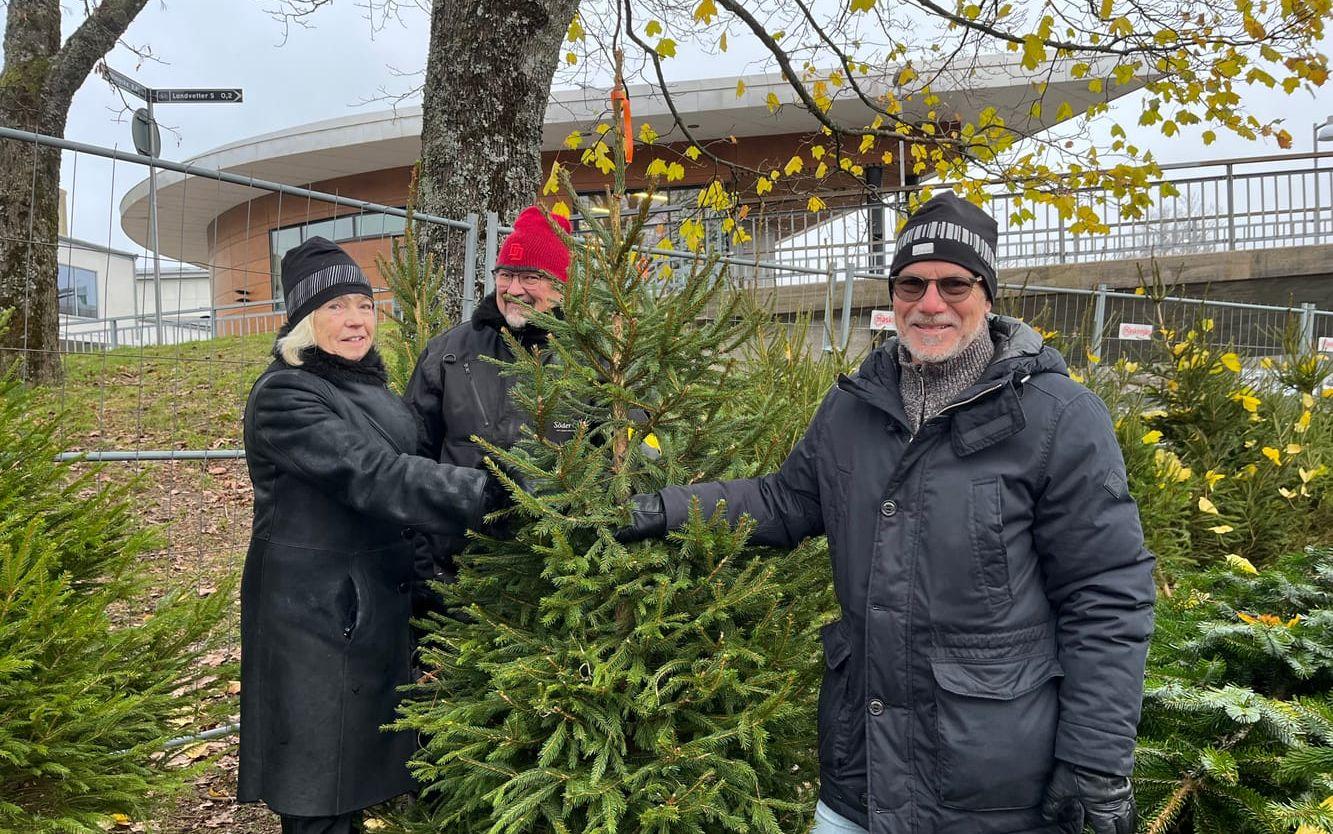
(94, 38)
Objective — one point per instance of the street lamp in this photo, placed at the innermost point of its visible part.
(1322, 133)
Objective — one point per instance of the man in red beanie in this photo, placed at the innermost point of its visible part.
(455, 392)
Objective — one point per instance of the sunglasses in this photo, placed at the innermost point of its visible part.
(953, 289)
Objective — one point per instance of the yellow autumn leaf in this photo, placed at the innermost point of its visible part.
(573, 140)
(1221, 529)
(821, 171)
(793, 166)
(1303, 422)
(705, 11)
(675, 171)
(740, 89)
(815, 204)
(1212, 477)
(1152, 437)
(602, 128)
(561, 209)
(374, 824)
(1293, 448)
(1240, 563)
(120, 820)
(571, 58)
(552, 184)
(1272, 454)
(692, 152)
(867, 142)
(653, 28)
(666, 48)
(1248, 402)
(575, 32)
(1207, 506)
(817, 151)
(646, 133)
(763, 186)
(862, 5)
(772, 102)
(1231, 362)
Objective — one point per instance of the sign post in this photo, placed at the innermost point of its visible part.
(148, 142)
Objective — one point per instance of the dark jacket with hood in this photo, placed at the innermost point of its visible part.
(996, 595)
(455, 393)
(325, 591)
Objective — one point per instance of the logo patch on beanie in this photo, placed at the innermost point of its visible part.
(927, 248)
(516, 251)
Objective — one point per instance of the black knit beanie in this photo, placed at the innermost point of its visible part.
(315, 272)
(948, 228)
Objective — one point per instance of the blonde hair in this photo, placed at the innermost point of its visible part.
(299, 338)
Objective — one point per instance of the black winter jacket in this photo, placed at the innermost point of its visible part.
(324, 594)
(455, 393)
(996, 595)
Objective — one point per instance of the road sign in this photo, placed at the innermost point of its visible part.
(1135, 332)
(228, 96)
(882, 320)
(147, 139)
(125, 83)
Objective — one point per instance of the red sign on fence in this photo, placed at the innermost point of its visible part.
(882, 320)
(1135, 332)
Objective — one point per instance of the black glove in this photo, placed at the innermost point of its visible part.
(495, 495)
(1076, 796)
(647, 519)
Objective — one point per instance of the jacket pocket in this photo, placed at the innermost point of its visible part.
(995, 721)
(986, 527)
(834, 697)
(348, 606)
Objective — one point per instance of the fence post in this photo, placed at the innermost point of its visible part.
(115, 335)
(470, 267)
(1231, 209)
(1098, 320)
(1061, 221)
(492, 247)
(848, 282)
(1307, 325)
(827, 329)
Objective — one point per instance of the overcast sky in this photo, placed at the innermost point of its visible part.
(339, 65)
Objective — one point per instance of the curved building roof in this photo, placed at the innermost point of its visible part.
(365, 142)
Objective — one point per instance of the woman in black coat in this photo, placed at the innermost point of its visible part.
(325, 596)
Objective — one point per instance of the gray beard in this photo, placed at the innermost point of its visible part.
(983, 328)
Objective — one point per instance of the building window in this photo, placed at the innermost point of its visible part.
(337, 229)
(77, 289)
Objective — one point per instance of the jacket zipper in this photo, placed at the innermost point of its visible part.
(476, 395)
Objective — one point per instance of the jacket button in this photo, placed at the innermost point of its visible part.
(876, 707)
(865, 799)
(888, 509)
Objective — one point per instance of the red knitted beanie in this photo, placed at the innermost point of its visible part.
(534, 244)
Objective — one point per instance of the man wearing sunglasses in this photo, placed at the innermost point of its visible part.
(986, 674)
(456, 393)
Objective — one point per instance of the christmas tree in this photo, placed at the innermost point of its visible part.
(94, 677)
(588, 687)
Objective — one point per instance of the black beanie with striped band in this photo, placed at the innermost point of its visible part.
(948, 228)
(316, 271)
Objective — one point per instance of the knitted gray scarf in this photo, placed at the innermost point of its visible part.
(928, 387)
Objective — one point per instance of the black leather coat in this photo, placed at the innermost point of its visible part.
(325, 591)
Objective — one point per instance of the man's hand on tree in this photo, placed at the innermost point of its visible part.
(647, 519)
(1077, 796)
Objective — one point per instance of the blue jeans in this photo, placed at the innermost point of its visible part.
(827, 821)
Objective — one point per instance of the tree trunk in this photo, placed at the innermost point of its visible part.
(37, 84)
(29, 195)
(488, 80)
